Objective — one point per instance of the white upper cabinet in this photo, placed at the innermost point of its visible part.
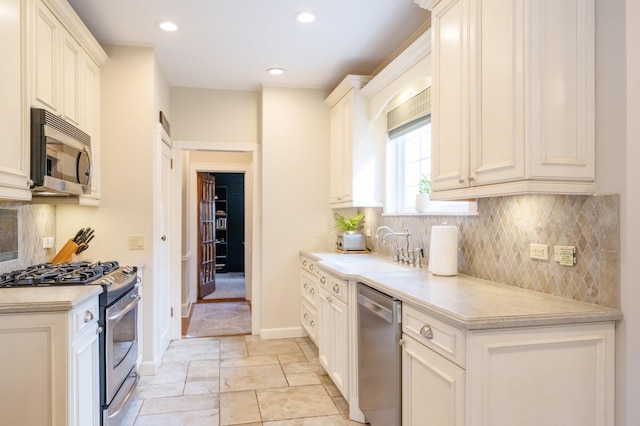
(63, 66)
(512, 97)
(355, 157)
(14, 161)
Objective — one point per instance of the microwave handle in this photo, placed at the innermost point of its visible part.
(90, 166)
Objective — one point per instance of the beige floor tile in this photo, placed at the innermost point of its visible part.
(342, 404)
(186, 418)
(203, 370)
(196, 342)
(239, 408)
(232, 347)
(159, 391)
(295, 402)
(330, 387)
(168, 372)
(248, 361)
(179, 403)
(253, 377)
(302, 367)
(289, 358)
(272, 347)
(202, 387)
(312, 421)
(302, 379)
(199, 350)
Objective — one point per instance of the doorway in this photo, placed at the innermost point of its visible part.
(221, 307)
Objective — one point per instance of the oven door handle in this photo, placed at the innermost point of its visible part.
(126, 309)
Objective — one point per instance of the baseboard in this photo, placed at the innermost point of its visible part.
(148, 368)
(282, 333)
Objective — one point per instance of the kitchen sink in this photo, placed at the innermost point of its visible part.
(373, 266)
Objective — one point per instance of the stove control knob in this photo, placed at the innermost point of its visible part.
(127, 270)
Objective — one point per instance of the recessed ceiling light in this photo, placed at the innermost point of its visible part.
(167, 25)
(305, 17)
(276, 71)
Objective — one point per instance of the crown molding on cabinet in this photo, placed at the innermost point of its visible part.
(426, 4)
(72, 22)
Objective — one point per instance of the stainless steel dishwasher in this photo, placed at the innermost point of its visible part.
(379, 357)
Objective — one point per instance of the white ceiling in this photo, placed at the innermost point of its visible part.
(228, 44)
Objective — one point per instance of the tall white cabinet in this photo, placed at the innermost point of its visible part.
(512, 97)
(356, 157)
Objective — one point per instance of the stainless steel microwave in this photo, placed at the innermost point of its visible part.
(60, 156)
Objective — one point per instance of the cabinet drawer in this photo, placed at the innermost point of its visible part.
(309, 321)
(335, 286)
(309, 265)
(85, 315)
(442, 338)
(309, 289)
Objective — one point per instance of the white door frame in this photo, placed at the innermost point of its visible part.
(253, 256)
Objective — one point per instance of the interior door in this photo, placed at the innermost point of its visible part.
(206, 235)
(163, 264)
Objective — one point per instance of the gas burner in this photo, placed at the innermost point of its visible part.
(107, 267)
(80, 276)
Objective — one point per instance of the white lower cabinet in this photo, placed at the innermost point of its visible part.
(50, 368)
(432, 387)
(529, 376)
(333, 339)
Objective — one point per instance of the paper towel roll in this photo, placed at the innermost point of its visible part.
(443, 250)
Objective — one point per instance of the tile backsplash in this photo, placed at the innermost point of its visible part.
(34, 222)
(494, 245)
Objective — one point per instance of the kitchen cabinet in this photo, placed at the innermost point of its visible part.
(14, 161)
(512, 97)
(310, 284)
(63, 64)
(333, 332)
(50, 366)
(506, 376)
(356, 158)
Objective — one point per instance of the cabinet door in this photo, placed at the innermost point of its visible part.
(14, 168)
(45, 55)
(84, 389)
(497, 78)
(72, 61)
(433, 388)
(333, 340)
(542, 376)
(450, 99)
(89, 123)
(342, 149)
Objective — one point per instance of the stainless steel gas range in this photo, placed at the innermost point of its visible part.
(118, 321)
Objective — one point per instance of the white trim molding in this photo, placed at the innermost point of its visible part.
(216, 146)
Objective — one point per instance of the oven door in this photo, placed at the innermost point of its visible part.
(121, 342)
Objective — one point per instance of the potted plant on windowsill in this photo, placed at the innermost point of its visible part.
(422, 199)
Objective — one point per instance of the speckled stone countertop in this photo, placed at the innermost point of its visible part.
(462, 301)
(45, 299)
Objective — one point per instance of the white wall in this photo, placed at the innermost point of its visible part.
(295, 198)
(133, 90)
(230, 116)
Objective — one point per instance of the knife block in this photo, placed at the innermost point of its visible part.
(66, 253)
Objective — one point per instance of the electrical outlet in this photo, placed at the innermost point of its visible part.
(565, 255)
(47, 242)
(368, 232)
(539, 251)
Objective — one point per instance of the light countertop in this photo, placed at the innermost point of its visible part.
(45, 299)
(462, 301)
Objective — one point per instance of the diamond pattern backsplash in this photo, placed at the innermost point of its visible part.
(494, 245)
(35, 221)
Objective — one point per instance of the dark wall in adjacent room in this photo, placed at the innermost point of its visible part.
(234, 182)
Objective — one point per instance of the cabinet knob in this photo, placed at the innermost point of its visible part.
(472, 178)
(336, 288)
(312, 291)
(323, 280)
(88, 316)
(311, 266)
(305, 285)
(305, 316)
(426, 332)
(312, 323)
(304, 263)
(460, 179)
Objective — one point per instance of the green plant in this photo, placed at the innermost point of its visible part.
(424, 185)
(348, 224)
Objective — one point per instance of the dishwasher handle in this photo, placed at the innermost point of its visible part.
(375, 308)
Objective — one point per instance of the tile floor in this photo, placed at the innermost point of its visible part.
(239, 380)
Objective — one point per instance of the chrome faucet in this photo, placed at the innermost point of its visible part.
(400, 254)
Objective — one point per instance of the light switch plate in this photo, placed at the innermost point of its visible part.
(565, 255)
(136, 242)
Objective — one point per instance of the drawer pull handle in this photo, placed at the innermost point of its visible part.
(304, 316)
(88, 316)
(312, 323)
(323, 280)
(336, 288)
(311, 266)
(426, 332)
(305, 285)
(304, 263)
(312, 291)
